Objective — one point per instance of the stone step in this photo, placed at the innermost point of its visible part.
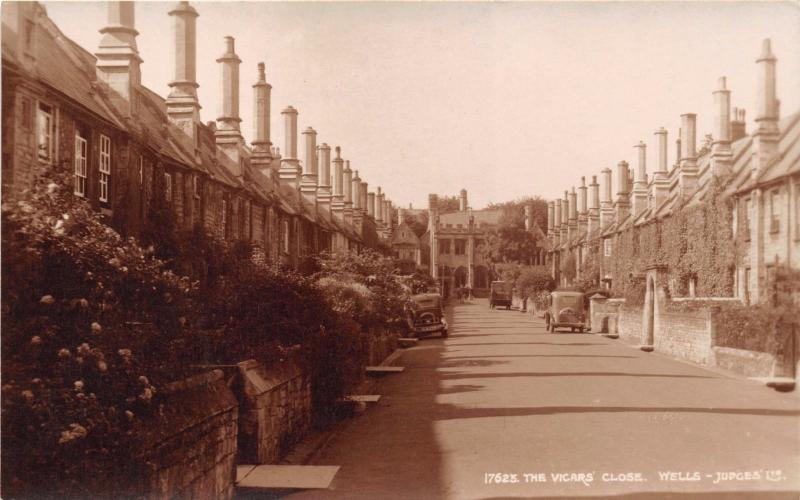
(364, 398)
(407, 341)
(268, 477)
(383, 370)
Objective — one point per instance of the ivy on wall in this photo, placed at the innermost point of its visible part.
(694, 243)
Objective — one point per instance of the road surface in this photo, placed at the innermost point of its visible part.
(561, 415)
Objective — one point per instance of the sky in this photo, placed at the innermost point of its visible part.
(503, 99)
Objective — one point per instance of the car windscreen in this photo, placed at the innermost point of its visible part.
(573, 301)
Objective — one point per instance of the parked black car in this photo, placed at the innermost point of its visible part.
(425, 315)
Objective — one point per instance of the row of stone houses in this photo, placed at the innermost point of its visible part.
(125, 144)
(754, 179)
(682, 248)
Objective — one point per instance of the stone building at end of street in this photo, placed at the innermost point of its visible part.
(126, 145)
(713, 226)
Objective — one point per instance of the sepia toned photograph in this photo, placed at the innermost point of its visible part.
(400, 250)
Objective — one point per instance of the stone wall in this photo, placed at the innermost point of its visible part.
(379, 345)
(192, 451)
(275, 410)
(685, 335)
(629, 324)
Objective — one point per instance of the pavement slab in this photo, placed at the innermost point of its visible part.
(504, 409)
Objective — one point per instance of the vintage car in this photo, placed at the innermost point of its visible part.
(565, 309)
(500, 294)
(425, 315)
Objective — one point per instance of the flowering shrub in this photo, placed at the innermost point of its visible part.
(373, 271)
(90, 323)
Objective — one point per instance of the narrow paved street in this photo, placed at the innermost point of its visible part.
(503, 396)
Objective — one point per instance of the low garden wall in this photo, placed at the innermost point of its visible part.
(192, 454)
(379, 344)
(685, 334)
(275, 410)
(603, 314)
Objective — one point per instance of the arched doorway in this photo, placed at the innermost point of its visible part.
(648, 323)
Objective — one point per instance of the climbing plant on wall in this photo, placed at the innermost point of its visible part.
(694, 243)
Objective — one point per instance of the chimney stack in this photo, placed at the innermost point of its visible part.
(401, 216)
(721, 155)
(262, 147)
(738, 125)
(557, 221)
(767, 133)
(640, 181)
(371, 204)
(324, 181)
(660, 186)
(593, 219)
(290, 166)
(565, 217)
(688, 158)
(462, 205)
(606, 205)
(363, 202)
(349, 186)
(228, 136)
(528, 217)
(550, 215)
(353, 204)
(433, 210)
(118, 61)
(309, 184)
(337, 201)
(183, 108)
(583, 215)
(573, 214)
(379, 206)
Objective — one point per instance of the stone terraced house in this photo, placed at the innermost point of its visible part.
(125, 144)
(714, 226)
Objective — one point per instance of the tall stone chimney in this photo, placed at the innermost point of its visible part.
(337, 200)
(583, 215)
(606, 205)
(565, 217)
(593, 218)
(721, 154)
(401, 216)
(623, 204)
(738, 125)
(462, 201)
(21, 19)
(550, 216)
(262, 146)
(557, 221)
(324, 195)
(572, 228)
(371, 204)
(356, 210)
(228, 136)
(433, 215)
(309, 184)
(363, 201)
(767, 133)
(379, 206)
(660, 186)
(290, 165)
(183, 108)
(118, 57)
(640, 180)
(528, 217)
(350, 187)
(688, 162)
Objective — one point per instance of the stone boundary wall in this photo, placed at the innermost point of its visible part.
(743, 362)
(193, 453)
(629, 324)
(275, 409)
(379, 344)
(685, 334)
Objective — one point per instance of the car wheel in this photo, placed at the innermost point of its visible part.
(444, 334)
(580, 329)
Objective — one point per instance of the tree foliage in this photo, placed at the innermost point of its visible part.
(509, 241)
